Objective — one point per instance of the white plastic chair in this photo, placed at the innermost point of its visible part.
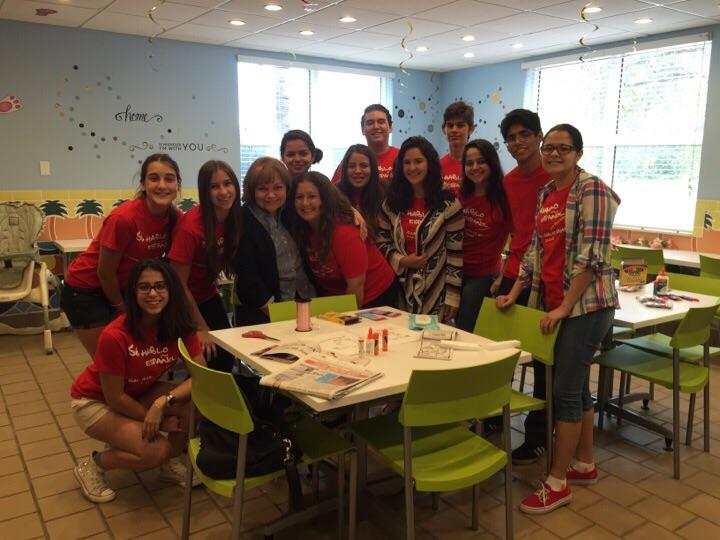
(23, 276)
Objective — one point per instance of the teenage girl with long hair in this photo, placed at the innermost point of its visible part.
(205, 243)
(136, 230)
(360, 182)
(118, 399)
(421, 232)
(340, 260)
(487, 225)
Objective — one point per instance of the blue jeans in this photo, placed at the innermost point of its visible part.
(474, 289)
(577, 341)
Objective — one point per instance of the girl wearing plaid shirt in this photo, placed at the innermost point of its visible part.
(569, 270)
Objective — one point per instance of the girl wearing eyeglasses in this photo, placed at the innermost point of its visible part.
(118, 399)
(421, 232)
(487, 226)
(138, 229)
(205, 243)
(569, 270)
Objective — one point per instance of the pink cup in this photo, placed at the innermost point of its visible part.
(302, 317)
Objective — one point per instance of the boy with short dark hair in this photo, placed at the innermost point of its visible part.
(376, 126)
(458, 125)
(523, 135)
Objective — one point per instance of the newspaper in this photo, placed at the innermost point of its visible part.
(320, 375)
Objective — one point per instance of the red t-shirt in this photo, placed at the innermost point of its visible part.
(410, 220)
(522, 195)
(385, 163)
(188, 247)
(486, 230)
(551, 229)
(140, 362)
(451, 170)
(350, 257)
(130, 230)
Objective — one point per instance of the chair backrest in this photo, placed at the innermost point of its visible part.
(285, 311)
(709, 267)
(517, 322)
(217, 397)
(435, 397)
(694, 284)
(694, 329)
(653, 257)
(20, 225)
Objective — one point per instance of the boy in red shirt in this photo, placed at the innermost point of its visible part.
(458, 125)
(376, 127)
(523, 135)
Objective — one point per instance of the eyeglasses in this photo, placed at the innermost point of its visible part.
(145, 288)
(562, 149)
(523, 136)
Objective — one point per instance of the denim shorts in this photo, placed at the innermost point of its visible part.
(86, 308)
(577, 341)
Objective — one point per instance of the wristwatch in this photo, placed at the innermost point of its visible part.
(171, 399)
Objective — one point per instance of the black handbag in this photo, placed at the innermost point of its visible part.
(270, 447)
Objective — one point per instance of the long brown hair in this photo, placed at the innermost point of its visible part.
(372, 194)
(214, 260)
(175, 320)
(335, 210)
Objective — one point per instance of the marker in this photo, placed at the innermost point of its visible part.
(370, 333)
(361, 347)
(385, 336)
(376, 340)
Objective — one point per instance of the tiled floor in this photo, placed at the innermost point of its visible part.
(636, 497)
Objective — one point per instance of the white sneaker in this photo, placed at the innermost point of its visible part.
(174, 471)
(92, 481)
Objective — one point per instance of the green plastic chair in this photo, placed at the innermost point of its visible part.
(709, 267)
(523, 323)
(428, 445)
(694, 330)
(219, 399)
(285, 311)
(653, 257)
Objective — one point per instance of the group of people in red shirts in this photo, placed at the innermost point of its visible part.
(395, 226)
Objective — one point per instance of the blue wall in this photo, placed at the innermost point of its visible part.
(188, 92)
(493, 90)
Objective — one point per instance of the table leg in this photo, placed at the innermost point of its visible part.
(360, 412)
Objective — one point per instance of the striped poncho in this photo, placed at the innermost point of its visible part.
(440, 235)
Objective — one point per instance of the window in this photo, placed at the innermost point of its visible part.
(324, 102)
(642, 116)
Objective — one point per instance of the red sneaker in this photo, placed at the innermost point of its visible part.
(573, 476)
(546, 500)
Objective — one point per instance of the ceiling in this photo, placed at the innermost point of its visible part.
(502, 29)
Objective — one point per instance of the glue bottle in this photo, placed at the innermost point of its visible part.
(662, 284)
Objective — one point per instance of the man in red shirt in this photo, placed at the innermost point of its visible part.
(458, 125)
(523, 135)
(376, 126)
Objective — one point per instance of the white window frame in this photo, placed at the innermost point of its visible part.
(531, 100)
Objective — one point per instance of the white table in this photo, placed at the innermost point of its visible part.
(396, 365)
(633, 314)
(71, 247)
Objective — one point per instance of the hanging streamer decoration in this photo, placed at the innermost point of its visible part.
(401, 65)
(582, 41)
(151, 39)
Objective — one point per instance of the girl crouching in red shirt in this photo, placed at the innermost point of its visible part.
(118, 399)
(340, 261)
